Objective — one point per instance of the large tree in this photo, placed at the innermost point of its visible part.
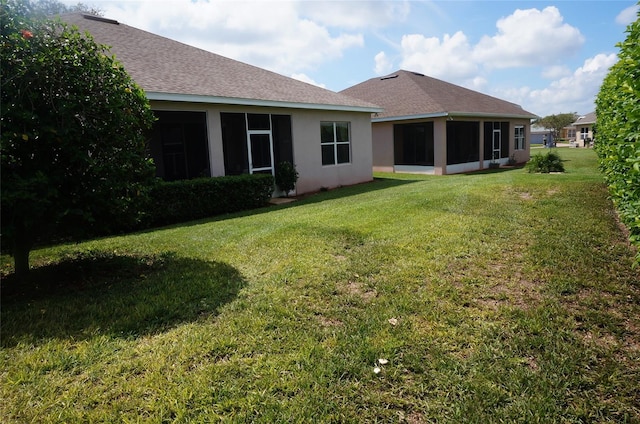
(74, 156)
(557, 122)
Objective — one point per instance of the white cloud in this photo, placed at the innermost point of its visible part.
(528, 37)
(628, 15)
(572, 93)
(307, 79)
(356, 14)
(383, 64)
(450, 58)
(554, 72)
(275, 37)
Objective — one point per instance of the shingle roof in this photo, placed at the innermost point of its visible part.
(589, 118)
(169, 70)
(406, 94)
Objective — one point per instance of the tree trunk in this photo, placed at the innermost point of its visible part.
(21, 249)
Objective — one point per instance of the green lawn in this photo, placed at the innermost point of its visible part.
(491, 297)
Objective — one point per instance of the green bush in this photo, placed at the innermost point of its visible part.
(545, 163)
(618, 125)
(185, 200)
(286, 177)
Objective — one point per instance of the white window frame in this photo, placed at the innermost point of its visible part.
(335, 143)
(584, 133)
(519, 137)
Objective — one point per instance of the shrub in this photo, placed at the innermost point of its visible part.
(185, 200)
(545, 163)
(618, 124)
(286, 177)
(74, 157)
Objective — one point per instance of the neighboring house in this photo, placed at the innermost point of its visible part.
(217, 116)
(584, 129)
(568, 133)
(541, 135)
(431, 126)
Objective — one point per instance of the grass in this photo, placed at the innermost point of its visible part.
(500, 296)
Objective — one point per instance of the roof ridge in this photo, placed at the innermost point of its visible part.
(413, 78)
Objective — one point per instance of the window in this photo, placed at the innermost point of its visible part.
(179, 145)
(413, 144)
(335, 142)
(463, 142)
(584, 133)
(496, 140)
(255, 142)
(518, 137)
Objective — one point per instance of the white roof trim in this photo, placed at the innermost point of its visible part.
(492, 115)
(194, 98)
(409, 117)
(451, 115)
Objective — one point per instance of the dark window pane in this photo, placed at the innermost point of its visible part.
(326, 132)
(327, 155)
(413, 144)
(179, 145)
(234, 143)
(463, 142)
(342, 131)
(343, 153)
(260, 151)
(282, 139)
(257, 121)
(504, 139)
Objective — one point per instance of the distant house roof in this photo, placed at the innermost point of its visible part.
(537, 129)
(588, 119)
(173, 71)
(411, 95)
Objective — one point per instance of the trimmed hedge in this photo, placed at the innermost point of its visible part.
(186, 200)
(618, 132)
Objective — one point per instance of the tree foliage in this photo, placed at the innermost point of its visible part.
(618, 121)
(74, 157)
(557, 122)
(45, 8)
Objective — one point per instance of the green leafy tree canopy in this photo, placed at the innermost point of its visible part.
(618, 121)
(557, 122)
(74, 156)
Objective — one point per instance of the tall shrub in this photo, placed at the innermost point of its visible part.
(618, 123)
(74, 157)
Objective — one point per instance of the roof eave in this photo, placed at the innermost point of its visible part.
(454, 115)
(524, 115)
(194, 98)
(409, 117)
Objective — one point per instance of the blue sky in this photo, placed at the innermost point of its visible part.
(548, 56)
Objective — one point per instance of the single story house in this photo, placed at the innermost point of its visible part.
(584, 129)
(218, 116)
(434, 127)
(541, 135)
(568, 133)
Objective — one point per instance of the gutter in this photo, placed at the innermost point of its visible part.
(451, 116)
(193, 98)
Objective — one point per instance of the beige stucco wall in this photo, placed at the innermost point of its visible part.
(305, 128)
(383, 154)
(579, 135)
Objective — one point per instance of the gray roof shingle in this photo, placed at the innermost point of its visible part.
(589, 118)
(168, 69)
(406, 94)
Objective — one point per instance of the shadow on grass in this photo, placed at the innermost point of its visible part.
(115, 295)
(377, 184)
